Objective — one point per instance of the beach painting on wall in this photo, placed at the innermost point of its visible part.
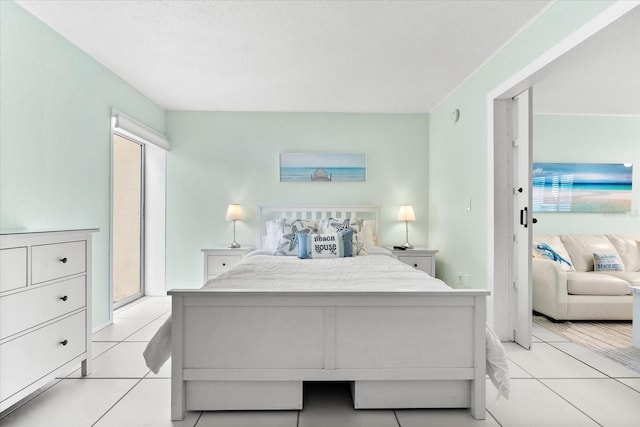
(320, 167)
(582, 187)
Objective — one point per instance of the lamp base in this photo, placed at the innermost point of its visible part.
(234, 245)
(407, 245)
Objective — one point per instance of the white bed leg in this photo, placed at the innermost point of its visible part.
(177, 382)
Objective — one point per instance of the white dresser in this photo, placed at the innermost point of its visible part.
(45, 308)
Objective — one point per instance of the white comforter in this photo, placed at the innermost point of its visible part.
(377, 272)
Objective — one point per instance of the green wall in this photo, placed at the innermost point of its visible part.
(55, 110)
(222, 158)
(588, 139)
(458, 152)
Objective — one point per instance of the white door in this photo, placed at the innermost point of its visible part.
(521, 132)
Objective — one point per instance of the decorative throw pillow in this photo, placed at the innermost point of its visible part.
(331, 245)
(543, 250)
(354, 224)
(607, 262)
(288, 232)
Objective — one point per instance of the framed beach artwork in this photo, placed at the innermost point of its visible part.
(582, 187)
(320, 167)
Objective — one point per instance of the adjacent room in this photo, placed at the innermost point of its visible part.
(318, 213)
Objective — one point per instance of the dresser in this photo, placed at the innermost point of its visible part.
(422, 259)
(217, 261)
(45, 308)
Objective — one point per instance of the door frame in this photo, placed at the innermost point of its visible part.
(142, 146)
(499, 309)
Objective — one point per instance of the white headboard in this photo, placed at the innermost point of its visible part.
(268, 213)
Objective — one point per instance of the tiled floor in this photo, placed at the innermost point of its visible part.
(557, 383)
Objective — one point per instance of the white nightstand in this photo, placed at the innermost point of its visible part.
(217, 261)
(421, 258)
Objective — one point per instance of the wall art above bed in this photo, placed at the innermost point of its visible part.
(321, 167)
(582, 187)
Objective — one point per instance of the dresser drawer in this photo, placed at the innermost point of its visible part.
(50, 262)
(422, 263)
(13, 268)
(217, 264)
(31, 357)
(23, 310)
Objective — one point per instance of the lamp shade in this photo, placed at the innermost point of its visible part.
(234, 213)
(406, 213)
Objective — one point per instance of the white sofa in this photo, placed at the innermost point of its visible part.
(576, 291)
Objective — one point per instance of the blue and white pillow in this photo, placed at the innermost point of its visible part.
(330, 245)
(330, 225)
(288, 234)
(607, 262)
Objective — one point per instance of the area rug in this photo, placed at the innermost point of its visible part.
(612, 339)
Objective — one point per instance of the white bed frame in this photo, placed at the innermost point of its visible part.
(254, 350)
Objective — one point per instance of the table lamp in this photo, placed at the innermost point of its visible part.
(406, 214)
(234, 213)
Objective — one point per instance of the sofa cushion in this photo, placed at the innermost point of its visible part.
(553, 242)
(590, 283)
(628, 248)
(581, 248)
(632, 277)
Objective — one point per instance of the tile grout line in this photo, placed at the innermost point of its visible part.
(116, 402)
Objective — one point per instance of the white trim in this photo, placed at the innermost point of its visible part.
(627, 116)
(138, 131)
(515, 84)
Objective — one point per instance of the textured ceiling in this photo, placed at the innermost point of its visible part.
(337, 56)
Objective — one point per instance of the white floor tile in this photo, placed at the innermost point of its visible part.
(147, 404)
(634, 383)
(603, 364)
(441, 418)
(533, 404)
(99, 347)
(161, 299)
(70, 403)
(545, 334)
(120, 329)
(124, 360)
(249, 419)
(545, 361)
(330, 405)
(143, 310)
(516, 371)
(605, 400)
(146, 333)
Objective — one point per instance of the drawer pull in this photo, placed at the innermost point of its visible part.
(65, 342)
(64, 298)
(224, 264)
(415, 265)
(64, 260)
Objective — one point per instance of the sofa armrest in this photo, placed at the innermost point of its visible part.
(549, 282)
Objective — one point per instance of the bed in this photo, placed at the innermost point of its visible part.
(248, 340)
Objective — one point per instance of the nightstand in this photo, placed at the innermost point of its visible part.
(421, 258)
(217, 261)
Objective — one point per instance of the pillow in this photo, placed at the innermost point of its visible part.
(331, 245)
(330, 225)
(543, 250)
(288, 231)
(271, 242)
(607, 262)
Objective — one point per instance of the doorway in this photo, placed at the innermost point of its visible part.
(127, 221)
(504, 309)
